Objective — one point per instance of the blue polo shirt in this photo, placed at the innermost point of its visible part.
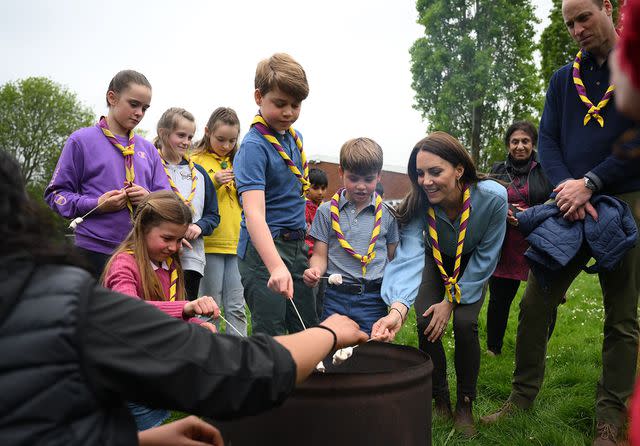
(258, 166)
(568, 149)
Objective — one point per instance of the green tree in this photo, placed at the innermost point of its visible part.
(473, 71)
(556, 45)
(36, 117)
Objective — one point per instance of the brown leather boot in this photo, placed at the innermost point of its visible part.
(463, 418)
(442, 407)
(507, 409)
(606, 435)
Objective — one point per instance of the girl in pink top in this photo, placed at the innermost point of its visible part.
(147, 266)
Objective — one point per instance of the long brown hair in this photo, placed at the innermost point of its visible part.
(221, 115)
(156, 208)
(449, 149)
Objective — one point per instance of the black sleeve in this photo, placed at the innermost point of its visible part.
(210, 218)
(135, 352)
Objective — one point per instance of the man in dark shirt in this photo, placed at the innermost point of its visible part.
(578, 128)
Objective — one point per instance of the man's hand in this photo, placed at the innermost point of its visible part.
(571, 195)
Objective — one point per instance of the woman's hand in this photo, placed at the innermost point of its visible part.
(204, 305)
(440, 314)
(386, 328)
(347, 332)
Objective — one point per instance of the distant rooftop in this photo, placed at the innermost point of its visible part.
(336, 160)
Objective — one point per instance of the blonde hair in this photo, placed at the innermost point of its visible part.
(168, 122)
(156, 208)
(221, 115)
(361, 156)
(281, 71)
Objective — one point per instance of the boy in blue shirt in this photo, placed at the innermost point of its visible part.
(272, 175)
(356, 234)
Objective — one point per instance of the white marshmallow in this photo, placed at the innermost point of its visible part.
(76, 221)
(320, 367)
(342, 355)
(335, 279)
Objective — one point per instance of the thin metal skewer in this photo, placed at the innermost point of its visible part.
(298, 313)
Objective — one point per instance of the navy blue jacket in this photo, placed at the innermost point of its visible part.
(555, 241)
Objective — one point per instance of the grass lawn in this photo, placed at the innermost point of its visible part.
(564, 411)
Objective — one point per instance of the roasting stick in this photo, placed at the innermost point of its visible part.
(209, 319)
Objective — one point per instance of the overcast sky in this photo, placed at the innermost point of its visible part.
(201, 54)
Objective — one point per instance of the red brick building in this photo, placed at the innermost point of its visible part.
(394, 179)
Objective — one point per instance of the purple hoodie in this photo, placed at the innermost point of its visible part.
(89, 166)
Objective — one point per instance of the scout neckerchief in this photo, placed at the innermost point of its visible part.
(335, 225)
(452, 289)
(262, 126)
(173, 276)
(225, 163)
(194, 180)
(127, 153)
(594, 111)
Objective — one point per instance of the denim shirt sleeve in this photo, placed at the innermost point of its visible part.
(484, 259)
(402, 276)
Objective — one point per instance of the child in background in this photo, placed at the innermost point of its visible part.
(315, 197)
(147, 266)
(356, 234)
(272, 177)
(215, 152)
(191, 183)
(107, 166)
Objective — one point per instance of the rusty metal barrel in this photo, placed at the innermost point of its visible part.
(380, 396)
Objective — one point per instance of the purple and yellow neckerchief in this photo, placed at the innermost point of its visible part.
(261, 125)
(335, 225)
(594, 111)
(127, 153)
(194, 180)
(452, 288)
(173, 277)
(225, 163)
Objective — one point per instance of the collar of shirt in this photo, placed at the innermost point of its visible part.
(343, 201)
(163, 265)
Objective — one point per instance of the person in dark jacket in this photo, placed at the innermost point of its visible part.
(527, 186)
(74, 352)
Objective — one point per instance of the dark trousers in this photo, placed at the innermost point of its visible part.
(501, 294)
(192, 283)
(465, 333)
(97, 260)
(620, 289)
(272, 313)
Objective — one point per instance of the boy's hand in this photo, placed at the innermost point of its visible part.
(204, 305)
(281, 282)
(193, 232)
(311, 277)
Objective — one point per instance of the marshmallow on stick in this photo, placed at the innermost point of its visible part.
(335, 279)
(342, 355)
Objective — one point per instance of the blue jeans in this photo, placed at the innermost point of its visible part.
(365, 308)
(222, 282)
(145, 417)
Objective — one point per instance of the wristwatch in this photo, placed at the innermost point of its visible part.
(589, 184)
